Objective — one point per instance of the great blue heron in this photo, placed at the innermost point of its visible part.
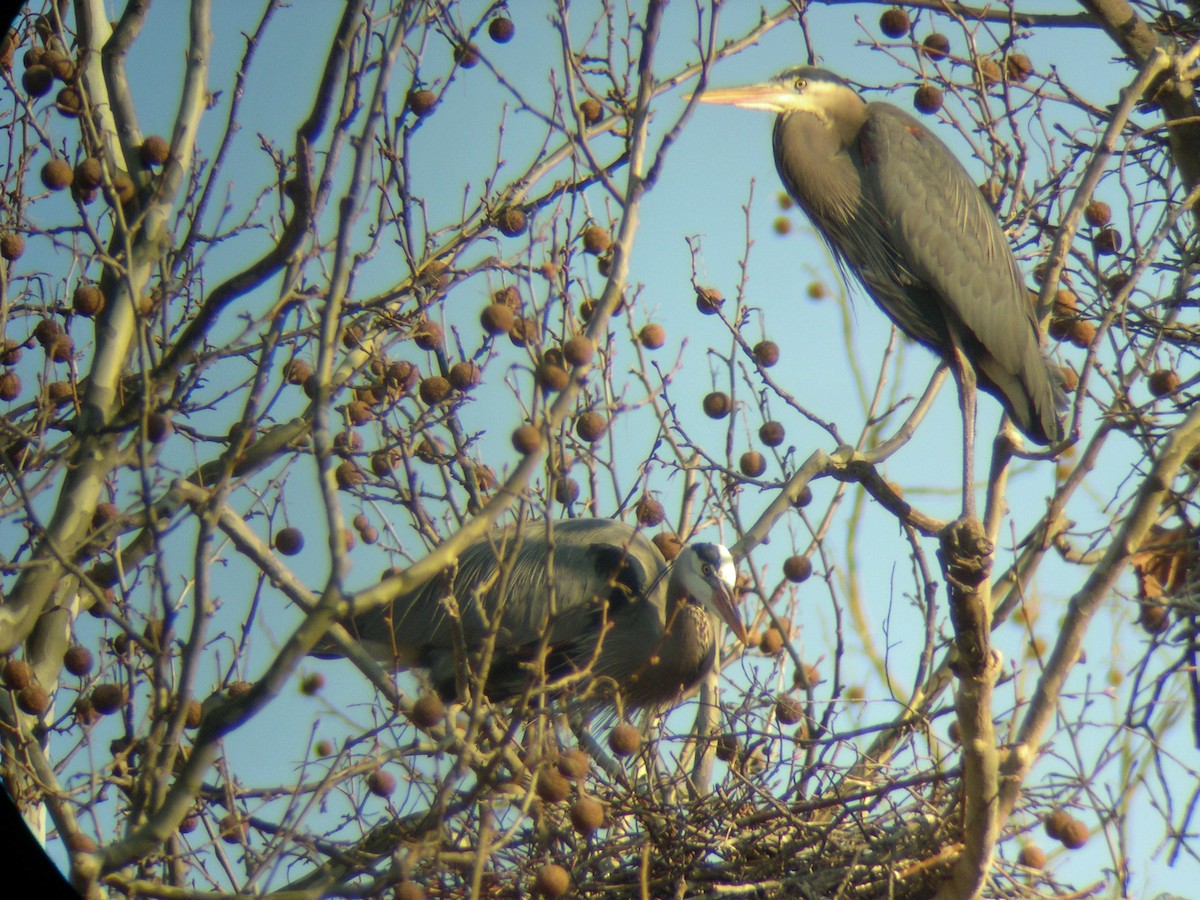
(899, 211)
(594, 595)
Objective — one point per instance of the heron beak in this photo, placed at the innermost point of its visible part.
(725, 603)
(769, 96)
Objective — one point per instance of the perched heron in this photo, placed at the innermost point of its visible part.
(594, 595)
(899, 211)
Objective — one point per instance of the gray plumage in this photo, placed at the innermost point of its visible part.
(899, 211)
(604, 603)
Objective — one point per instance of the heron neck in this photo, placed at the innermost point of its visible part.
(812, 154)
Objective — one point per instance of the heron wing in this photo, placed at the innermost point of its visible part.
(599, 571)
(941, 225)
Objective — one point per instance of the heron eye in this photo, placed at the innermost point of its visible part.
(706, 569)
(800, 84)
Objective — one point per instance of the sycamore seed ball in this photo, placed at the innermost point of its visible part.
(428, 710)
(894, 22)
(552, 880)
(624, 739)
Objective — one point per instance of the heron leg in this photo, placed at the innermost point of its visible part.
(964, 374)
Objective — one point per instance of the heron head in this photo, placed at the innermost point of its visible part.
(803, 89)
(706, 573)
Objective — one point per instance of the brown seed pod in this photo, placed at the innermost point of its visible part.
(496, 318)
(1056, 822)
(69, 103)
(591, 426)
(587, 815)
(936, 46)
(727, 747)
(12, 245)
(289, 541)
(88, 300)
(465, 375)
(18, 674)
(649, 511)
(624, 739)
(574, 764)
(429, 335)
(989, 70)
(771, 433)
(1018, 67)
(383, 462)
(717, 405)
(348, 475)
(155, 151)
(1107, 241)
(652, 336)
(579, 350)
(708, 300)
(668, 544)
(57, 174)
(772, 641)
(954, 732)
(37, 80)
(78, 660)
(158, 427)
(522, 332)
(766, 353)
(596, 240)
(381, 783)
(122, 189)
(10, 386)
(62, 350)
(797, 568)
(526, 439)
(566, 491)
(501, 30)
(511, 221)
(433, 389)
(1097, 213)
(10, 353)
(59, 392)
(232, 829)
(193, 715)
(1153, 618)
(297, 371)
(347, 443)
(466, 55)
(591, 111)
(59, 64)
(788, 710)
(1075, 835)
(237, 689)
(421, 102)
(1081, 333)
(88, 174)
(33, 699)
(552, 880)
(552, 786)
(752, 464)
(1032, 856)
(928, 99)
(551, 377)
(107, 698)
(1163, 382)
(1070, 380)
(894, 22)
(428, 711)
(509, 296)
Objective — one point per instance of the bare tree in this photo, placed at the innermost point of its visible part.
(375, 291)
